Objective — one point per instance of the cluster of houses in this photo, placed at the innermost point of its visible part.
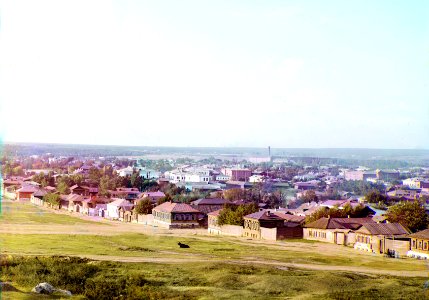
(373, 234)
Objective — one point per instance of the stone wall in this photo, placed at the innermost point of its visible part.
(145, 219)
(230, 230)
(400, 246)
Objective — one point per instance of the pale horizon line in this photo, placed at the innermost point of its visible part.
(211, 147)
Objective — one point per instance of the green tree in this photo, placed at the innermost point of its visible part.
(309, 196)
(63, 188)
(235, 194)
(409, 214)
(52, 199)
(105, 185)
(18, 170)
(166, 198)
(94, 174)
(347, 210)
(144, 206)
(233, 214)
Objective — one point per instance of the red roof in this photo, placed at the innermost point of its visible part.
(27, 189)
(210, 201)
(176, 207)
(214, 213)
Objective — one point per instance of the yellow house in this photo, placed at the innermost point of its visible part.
(334, 230)
(371, 236)
(419, 244)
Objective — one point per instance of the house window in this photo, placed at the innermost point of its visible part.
(414, 244)
(425, 245)
(420, 244)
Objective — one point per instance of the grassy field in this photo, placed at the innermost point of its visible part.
(213, 248)
(152, 266)
(24, 213)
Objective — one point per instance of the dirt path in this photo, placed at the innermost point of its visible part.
(280, 265)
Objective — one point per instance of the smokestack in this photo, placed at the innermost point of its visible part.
(269, 151)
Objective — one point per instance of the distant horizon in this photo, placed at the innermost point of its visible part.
(210, 147)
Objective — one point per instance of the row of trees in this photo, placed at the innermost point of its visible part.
(359, 211)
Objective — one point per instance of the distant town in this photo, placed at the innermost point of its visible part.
(377, 210)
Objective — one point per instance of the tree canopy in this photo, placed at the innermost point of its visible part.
(53, 199)
(409, 214)
(144, 206)
(358, 211)
(233, 214)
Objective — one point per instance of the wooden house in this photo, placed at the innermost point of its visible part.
(334, 230)
(419, 244)
(269, 225)
(175, 215)
(25, 192)
(371, 236)
(78, 190)
(207, 205)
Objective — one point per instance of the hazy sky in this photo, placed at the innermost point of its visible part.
(216, 73)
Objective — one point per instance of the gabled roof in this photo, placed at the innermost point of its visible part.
(210, 201)
(214, 213)
(383, 229)
(263, 215)
(290, 218)
(40, 193)
(175, 207)
(75, 187)
(74, 198)
(424, 234)
(153, 194)
(27, 189)
(339, 223)
(121, 203)
(331, 203)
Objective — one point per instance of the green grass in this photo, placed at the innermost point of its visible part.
(215, 267)
(201, 281)
(25, 213)
(140, 245)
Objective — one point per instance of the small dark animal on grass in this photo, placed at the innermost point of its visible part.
(182, 245)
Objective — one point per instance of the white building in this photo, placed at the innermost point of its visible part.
(222, 177)
(256, 178)
(149, 173)
(413, 183)
(176, 176)
(125, 171)
(114, 207)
